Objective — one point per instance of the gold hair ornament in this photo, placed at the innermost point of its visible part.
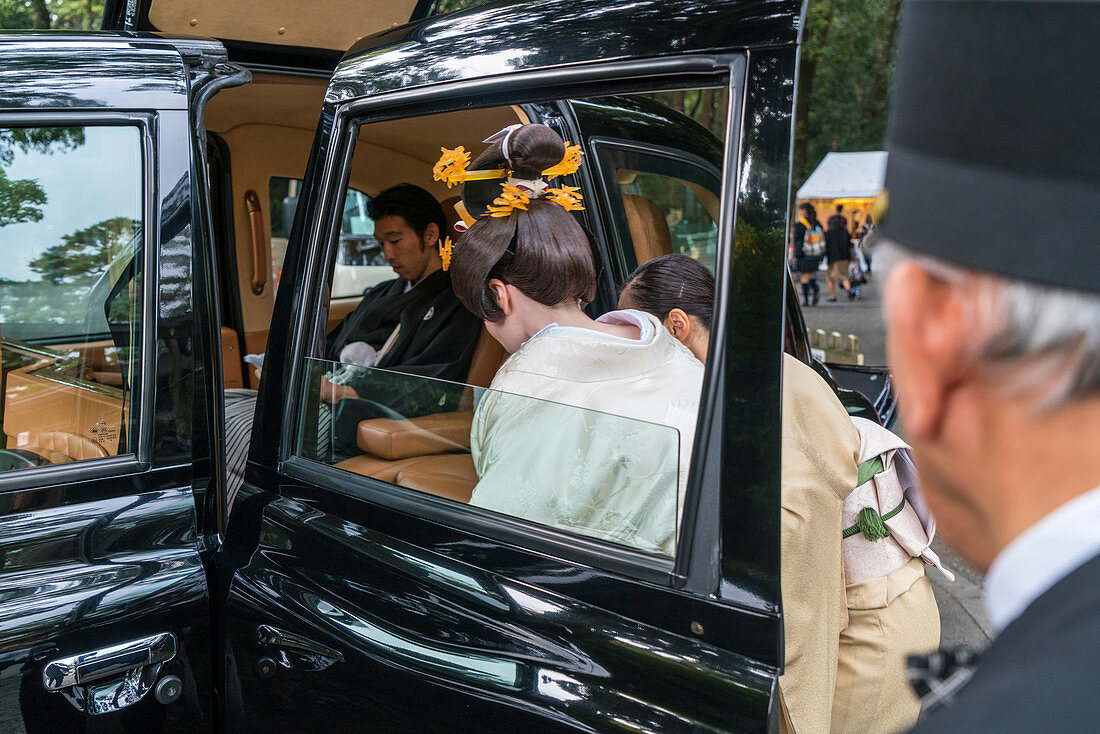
(451, 166)
(511, 198)
(567, 197)
(446, 247)
(570, 164)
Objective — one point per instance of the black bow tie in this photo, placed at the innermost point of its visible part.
(938, 676)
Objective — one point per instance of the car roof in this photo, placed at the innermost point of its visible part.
(520, 35)
(83, 70)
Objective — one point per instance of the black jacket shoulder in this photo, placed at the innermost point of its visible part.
(1040, 674)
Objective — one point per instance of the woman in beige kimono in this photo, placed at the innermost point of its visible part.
(589, 424)
(854, 607)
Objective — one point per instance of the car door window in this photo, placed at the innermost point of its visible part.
(70, 292)
(675, 195)
(359, 261)
(440, 426)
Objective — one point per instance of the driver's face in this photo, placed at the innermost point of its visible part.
(405, 252)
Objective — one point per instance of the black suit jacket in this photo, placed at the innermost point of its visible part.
(1042, 673)
(437, 336)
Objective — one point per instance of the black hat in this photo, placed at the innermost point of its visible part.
(994, 138)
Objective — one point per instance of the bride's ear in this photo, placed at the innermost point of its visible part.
(501, 295)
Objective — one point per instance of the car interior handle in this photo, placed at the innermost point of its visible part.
(106, 662)
(259, 241)
(275, 637)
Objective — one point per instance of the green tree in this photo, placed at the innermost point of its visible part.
(21, 199)
(83, 15)
(844, 79)
(85, 252)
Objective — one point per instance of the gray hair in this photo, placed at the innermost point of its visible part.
(1036, 338)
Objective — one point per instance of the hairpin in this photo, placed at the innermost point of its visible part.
(511, 198)
(446, 247)
(567, 197)
(451, 166)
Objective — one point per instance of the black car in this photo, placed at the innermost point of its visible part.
(147, 191)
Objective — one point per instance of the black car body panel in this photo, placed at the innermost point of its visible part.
(509, 37)
(98, 553)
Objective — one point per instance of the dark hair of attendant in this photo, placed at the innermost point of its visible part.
(542, 251)
(672, 281)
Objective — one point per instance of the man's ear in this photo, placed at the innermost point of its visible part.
(679, 324)
(927, 345)
(501, 295)
(431, 234)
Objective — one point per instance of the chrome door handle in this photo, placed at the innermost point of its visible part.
(106, 662)
(275, 637)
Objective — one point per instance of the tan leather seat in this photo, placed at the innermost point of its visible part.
(447, 475)
(648, 228)
(60, 447)
(438, 433)
(232, 374)
(444, 475)
(413, 453)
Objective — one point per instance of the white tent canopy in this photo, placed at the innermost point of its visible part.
(846, 175)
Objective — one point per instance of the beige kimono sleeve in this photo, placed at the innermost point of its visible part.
(820, 452)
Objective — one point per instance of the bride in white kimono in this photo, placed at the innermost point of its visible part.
(589, 424)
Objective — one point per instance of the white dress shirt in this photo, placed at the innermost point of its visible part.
(1042, 556)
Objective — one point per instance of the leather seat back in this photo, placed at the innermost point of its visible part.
(489, 355)
(487, 359)
(648, 228)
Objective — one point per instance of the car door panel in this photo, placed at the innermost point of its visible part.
(481, 649)
(80, 574)
(103, 593)
(450, 619)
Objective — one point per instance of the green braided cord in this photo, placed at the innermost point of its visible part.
(871, 524)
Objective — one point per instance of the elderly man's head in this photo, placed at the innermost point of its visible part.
(994, 375)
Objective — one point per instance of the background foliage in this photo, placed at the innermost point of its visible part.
(844, 79)
(51, 14)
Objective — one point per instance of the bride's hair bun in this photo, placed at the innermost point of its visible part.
(541, 250)
(532, 149)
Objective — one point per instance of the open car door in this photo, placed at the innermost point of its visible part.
(107, 439)
(363, 592)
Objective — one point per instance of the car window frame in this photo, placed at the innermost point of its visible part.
(139, 456)
(609, 188)
(698, 547)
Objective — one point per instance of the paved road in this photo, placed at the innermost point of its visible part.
(962, 618)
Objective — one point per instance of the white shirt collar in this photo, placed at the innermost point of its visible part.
(1042, 556)
(629, 317)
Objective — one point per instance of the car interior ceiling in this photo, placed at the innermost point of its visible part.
(282, 22)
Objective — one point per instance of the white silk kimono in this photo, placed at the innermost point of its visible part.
(614, 470)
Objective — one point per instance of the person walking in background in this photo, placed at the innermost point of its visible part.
(838, 251)
(863, 255)
(809, 249)
(838, 219)
(996, 353)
